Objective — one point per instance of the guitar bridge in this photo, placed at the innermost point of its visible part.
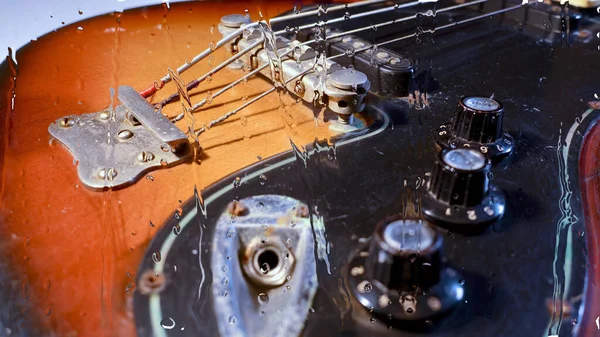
(115, 147)
(340, 89)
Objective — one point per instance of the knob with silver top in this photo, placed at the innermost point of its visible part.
(478, 124)
(404, 255)
(401, 275)
(459, 195)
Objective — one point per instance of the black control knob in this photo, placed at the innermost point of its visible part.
(478, 124)
(459, 195)
(401, 275)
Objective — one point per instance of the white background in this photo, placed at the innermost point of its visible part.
(24, 20)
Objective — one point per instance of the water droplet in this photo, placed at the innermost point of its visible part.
(237, 182)
(311, 310)
(368, 287)
(231, 233)
(231, 320)
(263, 298)
(347, 16)
(225, 269)
(461, 281)
(79, 28)
(151, 224)
(209, 97)
(156, 257)
(167, 323)
(263, 179)
(265, 268)
(373, 320)
(573, 321)
(225, 281)
(264, 239)
(149, 177)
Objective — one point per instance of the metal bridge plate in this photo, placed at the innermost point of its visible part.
(115, 148)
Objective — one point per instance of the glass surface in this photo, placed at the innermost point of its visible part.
(218, 168)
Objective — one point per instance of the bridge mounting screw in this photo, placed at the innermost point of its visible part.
(299, 88)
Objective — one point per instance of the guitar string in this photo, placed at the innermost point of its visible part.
(152, 89)
(436, 29)
(221, 91)
(243, 106)
(355, 16)
(193, 84)
(302, 15)
(395, 21)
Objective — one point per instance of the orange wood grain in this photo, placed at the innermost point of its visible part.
(76, 251)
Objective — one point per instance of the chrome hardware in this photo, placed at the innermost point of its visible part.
(320, 87)
(114, 148)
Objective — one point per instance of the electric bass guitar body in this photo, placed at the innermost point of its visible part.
(278, 223)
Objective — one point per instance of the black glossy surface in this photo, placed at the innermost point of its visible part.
(508, 268)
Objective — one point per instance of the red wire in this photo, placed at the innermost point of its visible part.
(151, 90)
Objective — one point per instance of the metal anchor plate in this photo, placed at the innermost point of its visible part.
(115, 150)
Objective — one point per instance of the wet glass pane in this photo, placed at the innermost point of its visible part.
(288, 168)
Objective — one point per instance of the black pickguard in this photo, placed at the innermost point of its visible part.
(508, 270)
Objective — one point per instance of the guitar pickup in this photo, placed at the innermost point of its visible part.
(389, 72)
(114, 147)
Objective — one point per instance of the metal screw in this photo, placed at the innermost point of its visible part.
(151, 282)
(237, 208)
(358, 44)
(66, 122)
(395, 60)
(302, 211)
(165, 147)
(125, 134)
(145, 156)
(382, 55)
(108, 174)
(299, 88)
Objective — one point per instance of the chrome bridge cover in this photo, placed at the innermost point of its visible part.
(115, 148)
